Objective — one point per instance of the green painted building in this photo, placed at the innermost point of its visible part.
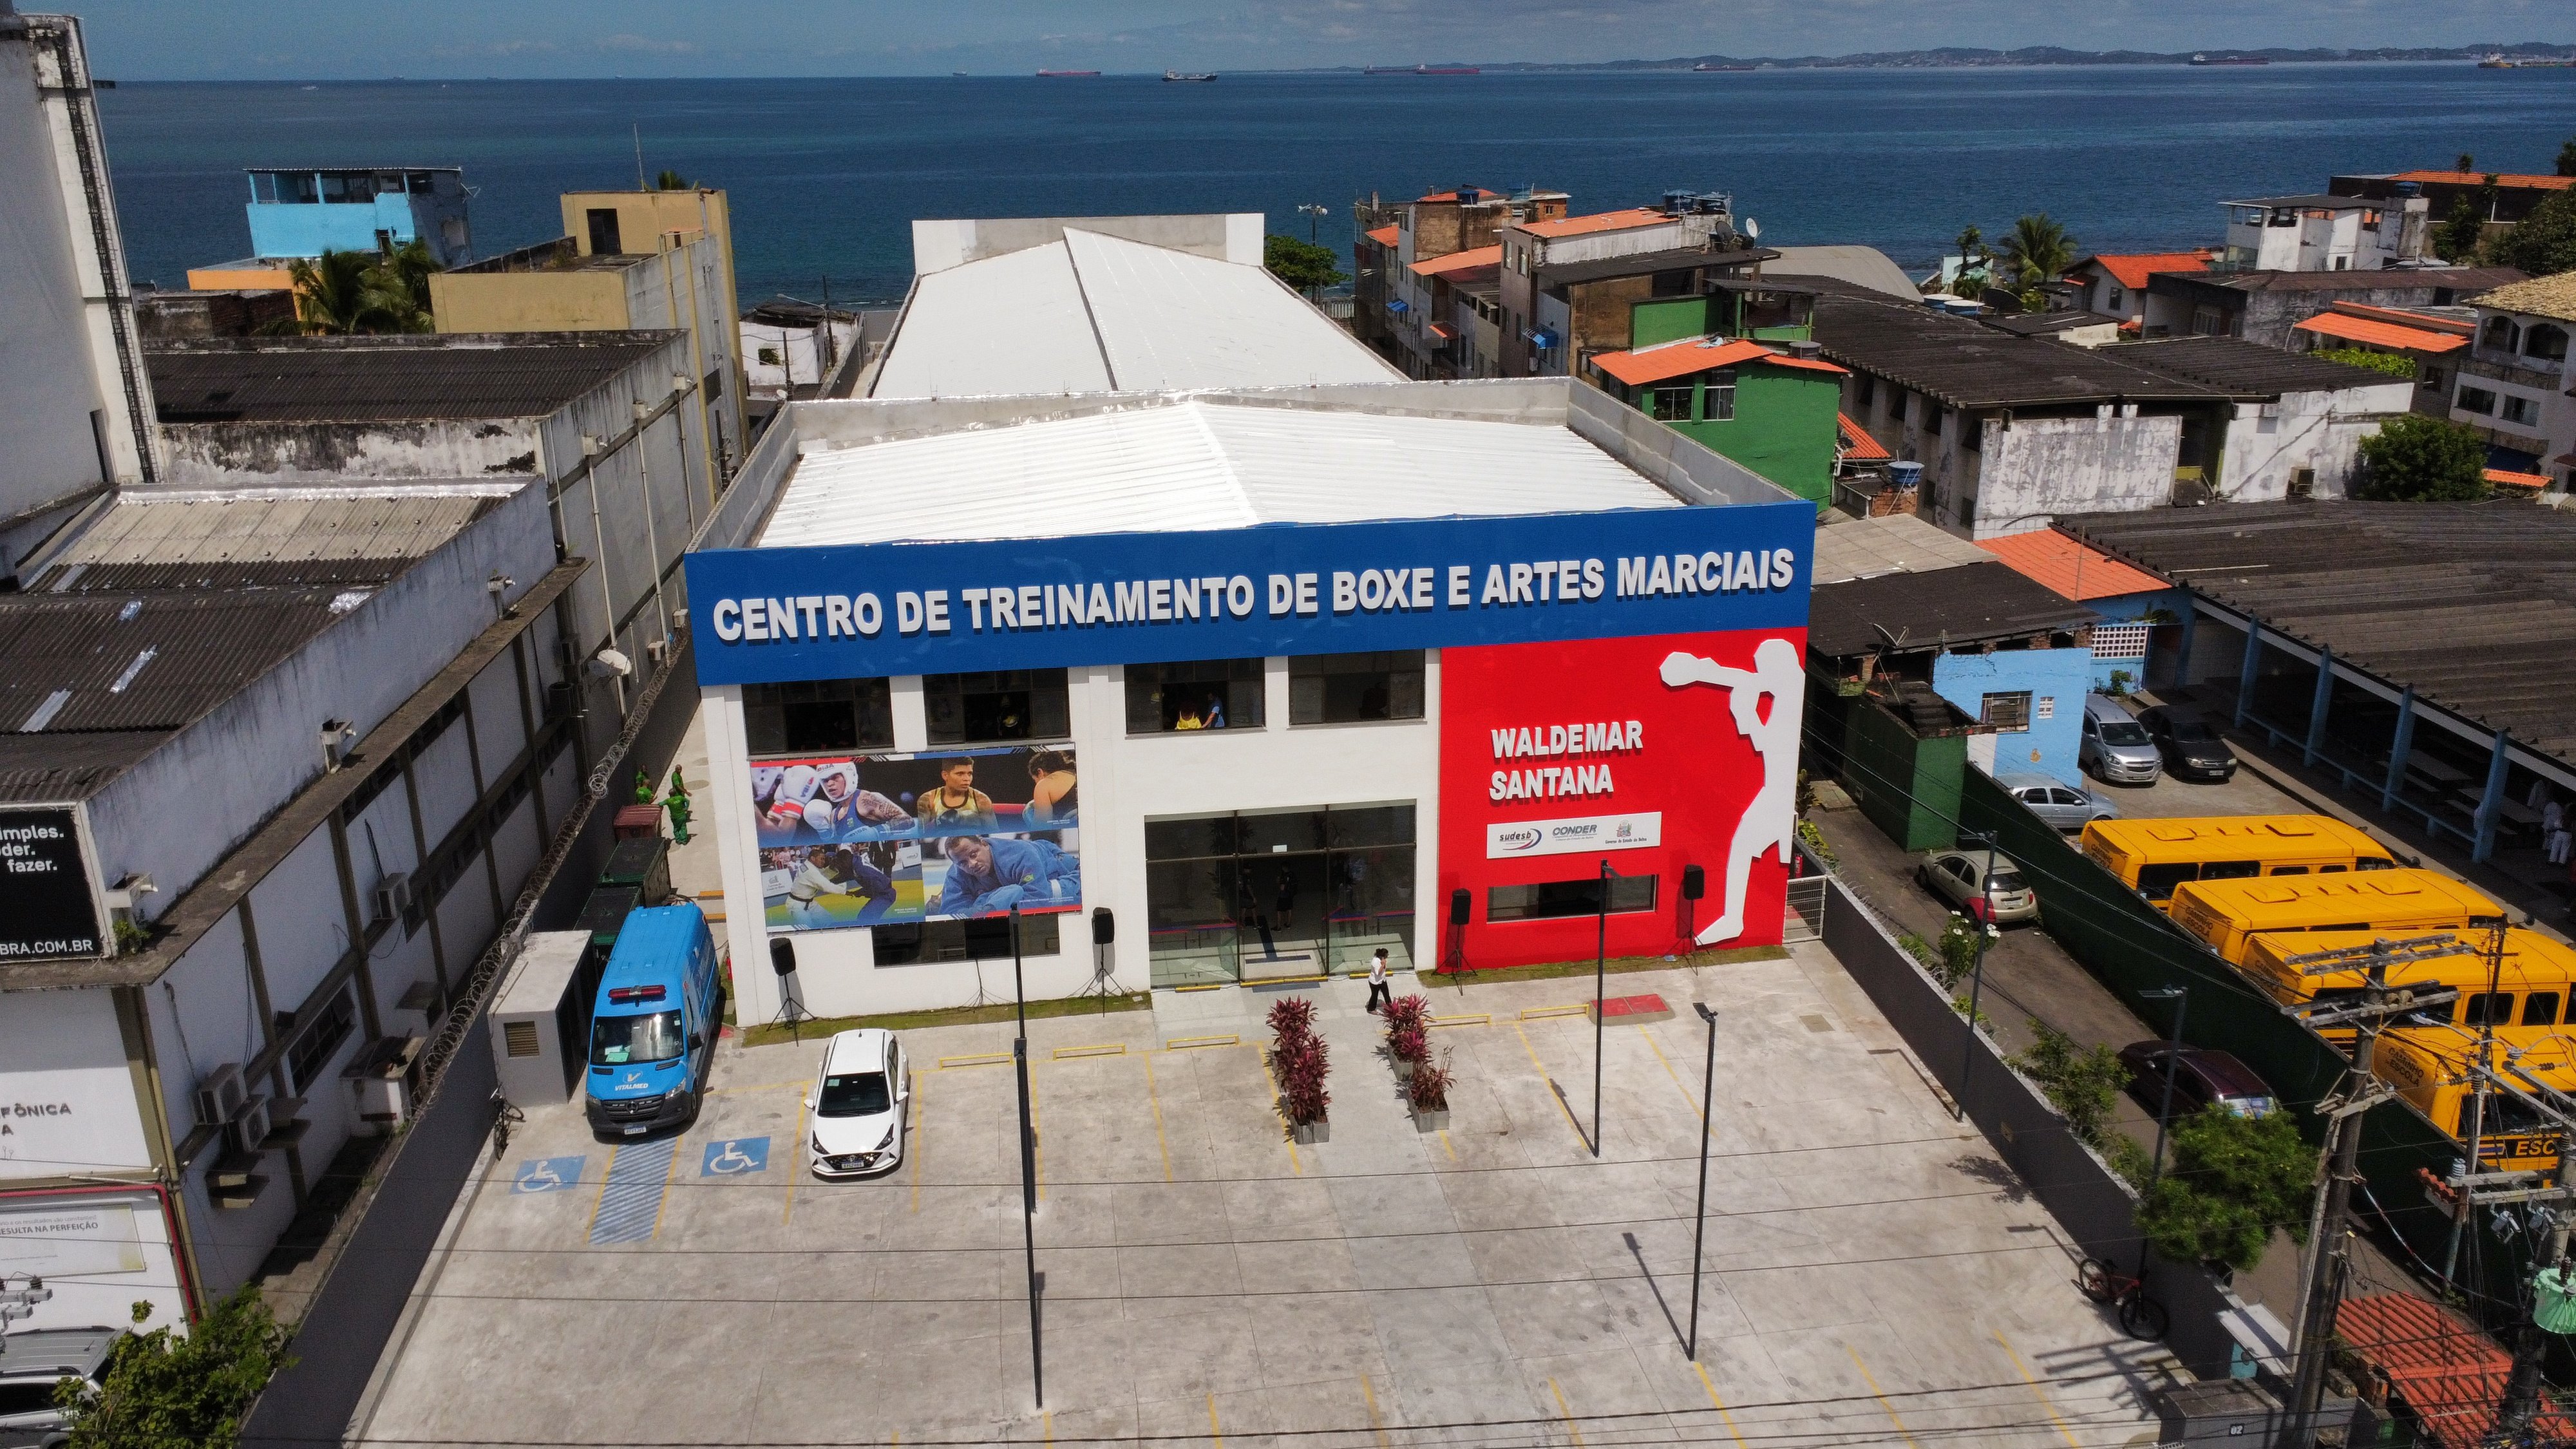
(1721, 368)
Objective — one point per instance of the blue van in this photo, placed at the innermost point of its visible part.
(653, 1026)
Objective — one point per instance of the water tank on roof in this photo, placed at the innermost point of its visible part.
(1904, 476)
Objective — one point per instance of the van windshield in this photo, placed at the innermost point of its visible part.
(2123, 732)
(618, 1040)
(857, 1094)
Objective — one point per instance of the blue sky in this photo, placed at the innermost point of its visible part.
(329, 39)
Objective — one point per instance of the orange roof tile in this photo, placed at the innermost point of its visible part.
(1384, 236)
(2507, 478)
(1858, 445)
(2132, 269)
(1600, 221)
(1805, 364)
(1677, 359)
(1441, 330)
(2081, 573)
(2380, 334)
(2403, 318)
(2474, 178)
(2450, 1374)
(1466, 261)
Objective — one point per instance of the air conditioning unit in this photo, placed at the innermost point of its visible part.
(250, 1128)
(393, 895)
(219, 1095)
(2303, 482)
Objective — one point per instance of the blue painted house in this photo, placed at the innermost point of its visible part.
(303, 213)
(2031, 700)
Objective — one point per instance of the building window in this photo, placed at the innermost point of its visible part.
(2500, 334)
(811, 716)
(1203, 694)
(1721, 396)
(988, 939)
(2115, 297)
(603, 230)
(1004, 704)
(1355, 688)
(1551, 900)
(2477, 400)
(2545, 341)
(2206, 322)
(311, 1054)
(1864, 390)
(1669, 404)
(2006, 712)
(2521, 410)
(1932, 412)
(2432, 379)
(1672, 284)
(1972, 430)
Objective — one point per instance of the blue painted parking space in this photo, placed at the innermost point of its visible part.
(547, 1174)
(735, 1157)
(631, 1203)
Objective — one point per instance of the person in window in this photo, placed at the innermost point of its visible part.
(1215, 713)
(956, 807)
(1287, 898)
(1054, 792)
(987, 876)
(840, 810)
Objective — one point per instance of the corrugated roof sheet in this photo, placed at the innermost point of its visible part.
(1667, 360)
(1858, 445)
(2450, 1374)
(2460, 280)
(2471, 603)
(2242, 369)
(378, 379)
(1599, 221)
(1097, 313)
(2079, 572)
(2380, 334)
(1968, 365)
(2131, 269)
(1943, 607)
(1900, 543)
(1384, 236)
(1466, 261)
(1195, 464)
(269, 538)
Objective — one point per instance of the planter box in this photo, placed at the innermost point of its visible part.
(1310, 1133)
(1403, 1067)
(1430, 1121)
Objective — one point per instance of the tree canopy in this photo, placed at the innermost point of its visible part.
(2418, 459)
(2234, 1181)
(2036, 250)
(341, 293)
(2544, 242)
(162, 1391)
(1306, 266)
(671, 180)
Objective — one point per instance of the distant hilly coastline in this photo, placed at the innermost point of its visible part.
(1954, 56)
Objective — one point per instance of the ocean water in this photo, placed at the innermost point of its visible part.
(826, 175)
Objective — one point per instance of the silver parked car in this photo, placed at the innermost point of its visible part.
(30, 1364)
(2005, 897)
(2063, 806)
(2114, 746)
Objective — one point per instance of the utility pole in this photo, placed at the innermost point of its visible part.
(1028, 1163)
(1600, 976)
(2329, 1258)
(2494, 927)
(2180, 996)
(1984, 921)
(1699, 1214)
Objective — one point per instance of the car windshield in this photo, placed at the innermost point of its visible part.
(854, 1094)
(2124, 732)
(2006, 880)
(618, 1040)
(2193, 732)
(2247, 1106)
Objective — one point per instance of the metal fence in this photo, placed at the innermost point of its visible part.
(1803, 918)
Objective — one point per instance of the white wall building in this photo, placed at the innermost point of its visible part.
(2322, 233)
(2517, 383)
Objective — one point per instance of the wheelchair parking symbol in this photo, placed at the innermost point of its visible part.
(735, 1157)
(547, 1174)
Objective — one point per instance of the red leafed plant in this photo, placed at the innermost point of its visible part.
(1429, 1087)
(1406, 1011)
(1409, 1043)
(1290, 1017)
(1302, 1067)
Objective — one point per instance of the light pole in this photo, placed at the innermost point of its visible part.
(2181, 997)
(1986, 933)
(1600, 975)
(1699, 1215)
(1314, 212)
(1028, 1163)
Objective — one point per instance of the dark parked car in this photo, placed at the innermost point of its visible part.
(2190, 745)
(2204, 1077)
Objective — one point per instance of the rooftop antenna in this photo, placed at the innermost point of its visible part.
(639, 156)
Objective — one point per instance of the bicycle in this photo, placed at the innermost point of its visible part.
(2140, 1316)
(503, 1114)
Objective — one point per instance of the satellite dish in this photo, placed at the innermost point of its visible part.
(1753, 228)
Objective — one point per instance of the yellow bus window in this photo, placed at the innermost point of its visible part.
(2540, 1008)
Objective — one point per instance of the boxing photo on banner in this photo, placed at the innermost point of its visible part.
(865, 840)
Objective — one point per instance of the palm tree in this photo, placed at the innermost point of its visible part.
(2038, 250)
(671, 180)
(406, 270)
(342, 293)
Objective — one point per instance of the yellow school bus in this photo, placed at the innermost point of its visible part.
(2429, 1068)
(2532, 989)
(2152, 857)
(2232, 914)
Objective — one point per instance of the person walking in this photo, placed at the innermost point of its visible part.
(1379, 993)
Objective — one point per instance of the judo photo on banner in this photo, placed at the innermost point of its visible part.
(896, 839)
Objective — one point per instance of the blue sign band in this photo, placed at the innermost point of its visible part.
(772, 615)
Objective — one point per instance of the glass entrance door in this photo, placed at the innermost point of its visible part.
(1270, 895)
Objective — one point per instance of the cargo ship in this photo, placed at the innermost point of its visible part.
(1066, 74)
(1422, 70)
(2231, 60)
(1705, 66)
(1174, 75)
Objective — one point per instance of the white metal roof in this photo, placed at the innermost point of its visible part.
(1900, 543)
(1195, 464)
(1098, 313)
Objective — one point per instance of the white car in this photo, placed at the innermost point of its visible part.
(858, 1108)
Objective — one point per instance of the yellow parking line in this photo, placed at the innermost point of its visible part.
(1537, 1013)
(1284, 1134)
(1696, 1109)
(1046, 1424)
(1477, 1018)
(1445, 1147)
(2041, 1394)
(980, 1059)
(920, 1114)
(1184, 1043)
(1567, 1411)
(1151, 1096)
(1719, 1403)
(1214, 1432)
(1551, 1084)
(1105, 1049)
(1880, 1394)
(1375, 1425)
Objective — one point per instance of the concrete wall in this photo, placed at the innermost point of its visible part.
(545, 300)
(799, 351)
(2056, 679)
(2267, 444)
(2027, 473)
(238, 455)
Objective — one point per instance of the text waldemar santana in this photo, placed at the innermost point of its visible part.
(996, 607)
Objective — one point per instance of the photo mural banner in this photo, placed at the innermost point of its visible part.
(872, 840)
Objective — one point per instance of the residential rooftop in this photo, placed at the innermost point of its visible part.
(1638, 264)
(1623, 220)
(1939, 608)
(1867, 268)
(2245, 370)
(2071, 568)
(1900, 543)
(392, 378)
(2514, 179)
(1969, 365)
(2470, 603)
(2132, 269)
(2539, 297)
(2457, 280)
(1466, 261)
(2316, 199)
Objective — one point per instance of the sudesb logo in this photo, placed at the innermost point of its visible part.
(1524, 839)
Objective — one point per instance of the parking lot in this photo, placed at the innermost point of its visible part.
(1874, 1273)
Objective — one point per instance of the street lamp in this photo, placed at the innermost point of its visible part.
(1984, 907)
(1314, 212)
(1600, 975)
(2181, 997)
(1699, 1215)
